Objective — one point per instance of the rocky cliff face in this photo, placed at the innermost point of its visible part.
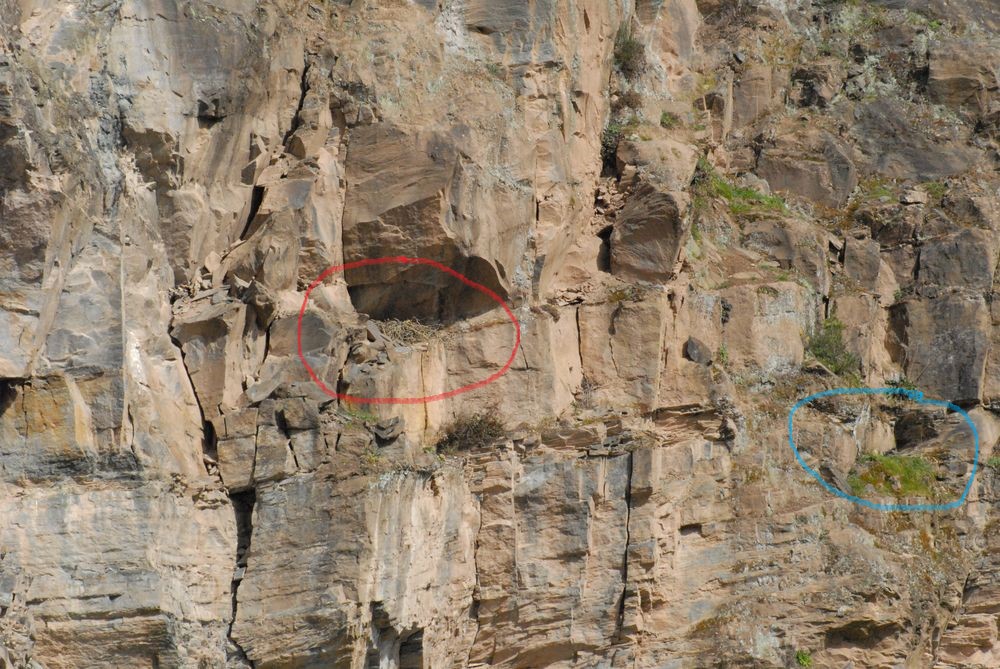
(699, 211)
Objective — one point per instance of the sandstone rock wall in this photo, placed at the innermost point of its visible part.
(698, 211)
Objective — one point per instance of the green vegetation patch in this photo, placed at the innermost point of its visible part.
(612, 135)
(803, 658)
(354, 414)
(898, 475)
(626, 294)
(935, 190)
(722, 355)
(828, 347)
(669, 120)
(741, 199)
(904, 383)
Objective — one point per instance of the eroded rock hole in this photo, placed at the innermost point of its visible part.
(390, 648)
(424, 293)
(256, 199)
(243, 503)
(604, 254)
(411, 652)
(8, 394)
(210, 444)
(691, 530)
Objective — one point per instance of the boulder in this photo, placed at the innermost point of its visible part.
(669, 162)
(696, 351)
(649, 234)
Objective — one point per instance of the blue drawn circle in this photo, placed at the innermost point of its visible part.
(914, 395)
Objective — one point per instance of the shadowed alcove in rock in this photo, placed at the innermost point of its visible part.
(424, 293)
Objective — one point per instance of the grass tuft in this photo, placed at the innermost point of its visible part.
(669, 120)
(899, 475)
(936, 191)
(355, 415)
(741, 199)
(722, 355)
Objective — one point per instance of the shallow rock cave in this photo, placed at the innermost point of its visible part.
(425, 293)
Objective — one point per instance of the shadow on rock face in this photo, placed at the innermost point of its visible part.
(424, 293)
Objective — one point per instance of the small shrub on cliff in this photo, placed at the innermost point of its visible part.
(631, 99)
(669, 120)
(612, 135)
(903, 382)
(722, 355)
(630, 54)
(609, 140)
(472, 431)
(828, 347)
(803, 658)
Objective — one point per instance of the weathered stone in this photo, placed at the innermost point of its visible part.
(389, 429)
(811, 164)
(766, 325)
(794, 245)
(944, 341)
(273, 458)
(815, 84)
(963, 74)
(236, 462)
(299, 414)
(966, 259)
(649, 234)
(696, 351)
(665, 160)
(862, 261)
(914, 196)
(211, 338)
(898, 147)
(755, 93)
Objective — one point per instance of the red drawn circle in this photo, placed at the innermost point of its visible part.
(403, 260)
